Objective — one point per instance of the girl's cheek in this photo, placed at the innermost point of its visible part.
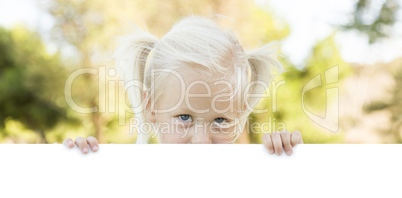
(223, 135)
(183, 130)
(177, 133)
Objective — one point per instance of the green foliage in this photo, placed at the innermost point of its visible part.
(379, 27)
(287, 112)
(375, 106)
(31, 81)
(393, 132)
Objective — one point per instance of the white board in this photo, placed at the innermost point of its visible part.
(129, 170)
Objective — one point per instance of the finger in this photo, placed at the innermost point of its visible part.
(68, 142)
(277, 142)
(82, 144)
(296, 138)
(285, 136)
(266, 139)
(93, 143)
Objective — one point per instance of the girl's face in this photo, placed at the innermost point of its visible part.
(192, 111)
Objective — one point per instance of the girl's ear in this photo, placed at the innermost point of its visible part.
(150, 116)
(148, 112)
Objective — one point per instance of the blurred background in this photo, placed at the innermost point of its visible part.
(343, 62)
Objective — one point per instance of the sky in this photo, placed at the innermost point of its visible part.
(309, 21)
(22, 11)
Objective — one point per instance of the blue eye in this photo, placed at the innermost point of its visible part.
(220, 120)
(185, 117)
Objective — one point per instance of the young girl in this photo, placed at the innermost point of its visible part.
(194, 85)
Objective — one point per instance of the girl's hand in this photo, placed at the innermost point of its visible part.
(276, 140)
(83, 143)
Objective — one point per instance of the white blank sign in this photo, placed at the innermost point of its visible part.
(129, 170)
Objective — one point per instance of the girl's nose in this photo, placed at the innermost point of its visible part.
(201, 137)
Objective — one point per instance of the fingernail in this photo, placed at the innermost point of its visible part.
(85, 149)
(70, 143)
(279, 153)
(94, 148)
(271, 151)
(289, 152)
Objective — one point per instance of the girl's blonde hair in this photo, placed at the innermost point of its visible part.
(197, 41)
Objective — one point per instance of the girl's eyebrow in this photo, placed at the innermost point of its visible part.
(183, 109)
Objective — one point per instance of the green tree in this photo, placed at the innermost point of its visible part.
(31, 82)
(379, 26)
(393, 134)
(287, 112)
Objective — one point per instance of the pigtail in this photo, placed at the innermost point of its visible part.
(131, 56)
(263, 69)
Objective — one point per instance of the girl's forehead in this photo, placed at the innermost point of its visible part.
(198, 82)
(195, 90)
